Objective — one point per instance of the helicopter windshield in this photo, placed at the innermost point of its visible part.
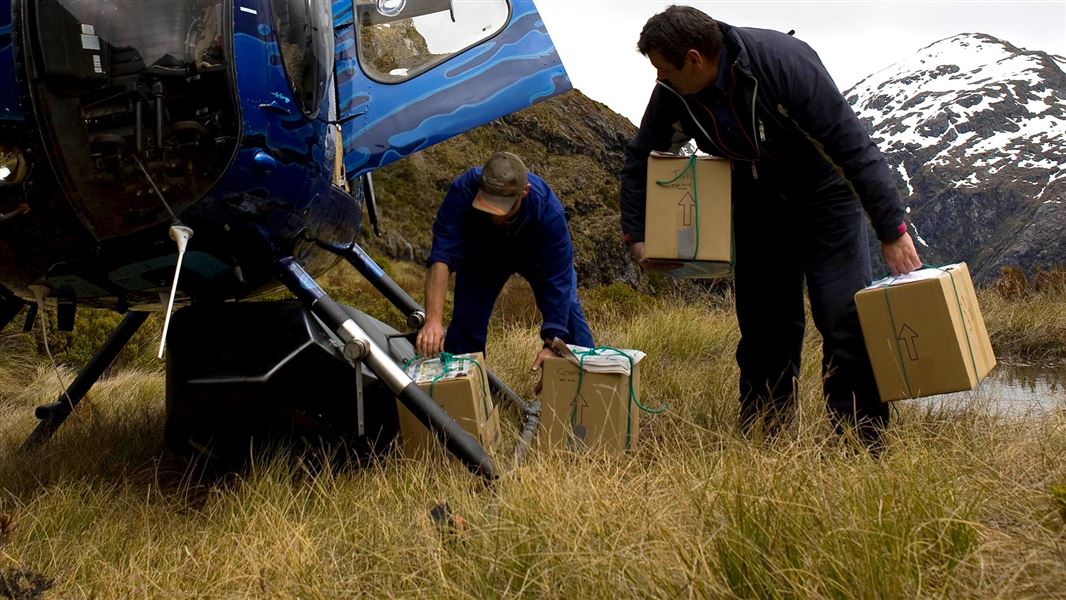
(164, 33)
(138, 105)
(306, 42)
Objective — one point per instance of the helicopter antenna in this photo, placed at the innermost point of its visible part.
(151, 182)
(180, 234)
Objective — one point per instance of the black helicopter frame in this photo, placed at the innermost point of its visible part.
(358, 348)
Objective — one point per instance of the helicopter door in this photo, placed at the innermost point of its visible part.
(413, 73)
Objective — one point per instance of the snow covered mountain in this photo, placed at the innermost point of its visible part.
(975, 129)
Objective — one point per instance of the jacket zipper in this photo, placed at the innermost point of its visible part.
(757, 128)
(761, 131)
(692, 116)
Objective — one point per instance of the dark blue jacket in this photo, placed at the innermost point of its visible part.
(536, 245)
(798, 135)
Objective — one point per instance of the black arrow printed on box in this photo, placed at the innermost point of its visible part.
(909, 337)
(686, 209)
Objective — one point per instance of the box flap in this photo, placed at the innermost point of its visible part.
(447, 366)
(599, 360)
(913, 276)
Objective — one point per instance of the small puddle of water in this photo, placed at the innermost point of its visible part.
(1015, 390)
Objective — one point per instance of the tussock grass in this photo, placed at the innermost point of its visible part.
(1026, 317)
(963, 504)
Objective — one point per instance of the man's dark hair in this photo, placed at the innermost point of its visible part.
(679, 29)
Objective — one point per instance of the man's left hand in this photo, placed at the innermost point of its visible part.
(537, 362)
(544, 353)
(900, 255)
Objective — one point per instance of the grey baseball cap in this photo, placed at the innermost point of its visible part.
(503, 180)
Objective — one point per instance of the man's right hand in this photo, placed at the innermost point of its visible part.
(900, 255)
(637, 250)
(430, 340)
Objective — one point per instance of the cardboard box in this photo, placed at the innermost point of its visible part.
(693, 225)
(462, 391)
(600, 416)
(925, 333)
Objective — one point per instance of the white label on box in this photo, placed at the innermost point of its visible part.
(920, 275)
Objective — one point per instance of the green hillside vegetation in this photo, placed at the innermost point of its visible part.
(964, 503)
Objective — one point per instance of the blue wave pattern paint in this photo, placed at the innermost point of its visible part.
(10, 107)
(350, 81)
(385, 122)
(343, 14)
(280, 172)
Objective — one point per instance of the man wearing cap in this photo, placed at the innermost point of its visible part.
(497, 221)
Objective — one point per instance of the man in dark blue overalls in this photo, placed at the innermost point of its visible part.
(804, 173)
(496, 221)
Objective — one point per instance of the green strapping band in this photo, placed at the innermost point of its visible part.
(965, 330)
(632, 393)
(892, 321)
(962, 315)
(446, 360)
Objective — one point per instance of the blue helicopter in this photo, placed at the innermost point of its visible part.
(206, 151)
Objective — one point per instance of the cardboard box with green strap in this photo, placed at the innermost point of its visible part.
(689, 215)
(459, 383)
(591, 399)
(924, 333)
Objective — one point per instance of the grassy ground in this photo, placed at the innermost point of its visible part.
(963, 504)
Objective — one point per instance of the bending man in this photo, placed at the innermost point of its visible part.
(496, 221)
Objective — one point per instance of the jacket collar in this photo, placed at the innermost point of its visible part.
(731, 37)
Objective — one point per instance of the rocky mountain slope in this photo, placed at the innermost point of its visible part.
(975, 129)
(573, 142)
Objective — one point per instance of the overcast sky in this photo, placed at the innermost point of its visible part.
(597, 38)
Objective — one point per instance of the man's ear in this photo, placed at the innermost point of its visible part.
(694, 57)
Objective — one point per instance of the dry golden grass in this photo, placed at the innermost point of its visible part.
(963, 504)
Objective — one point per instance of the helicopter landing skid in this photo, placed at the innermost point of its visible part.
(53, 415)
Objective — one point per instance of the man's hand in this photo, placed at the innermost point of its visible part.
(539, 360)
(900, 255)
(648, 264)
(430, 340)
(637, 250)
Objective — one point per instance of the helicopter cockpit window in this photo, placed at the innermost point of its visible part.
(138, 103)
(158, 35)
(399, 39)
(305, 38)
